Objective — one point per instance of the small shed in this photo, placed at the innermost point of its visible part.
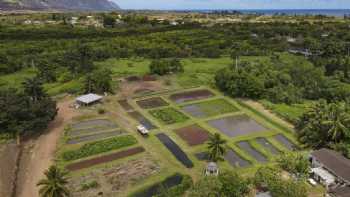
(88, 99)
(212, 169)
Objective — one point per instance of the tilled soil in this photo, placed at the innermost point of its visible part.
(193, 134)
(115, 179)
(104, 159)
(152, 103)
(191, 95)
(9, 153)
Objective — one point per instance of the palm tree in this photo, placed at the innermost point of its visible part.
(337, 122)
(216, 147)
(54, 183)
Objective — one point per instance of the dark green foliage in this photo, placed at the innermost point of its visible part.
(98, 81)
(216, 147)
(98, 147)
(324, 125)
(166, 66)
(26, 112)
(178, 190)
(270, 179)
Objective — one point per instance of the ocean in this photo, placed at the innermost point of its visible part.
(328, 12)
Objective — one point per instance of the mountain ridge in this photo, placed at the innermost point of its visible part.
(65, 5)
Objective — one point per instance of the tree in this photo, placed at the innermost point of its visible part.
(54, 183)
(233, 185)
(166, 66)
(33, 88)
(295, 163)
(216, 147)
(98, 81)
(108, 21)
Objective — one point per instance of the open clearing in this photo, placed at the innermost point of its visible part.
(152, 103)
(234, 126)
(175, 150)
(191, 95)
(193, 134)
(209, 108)
(104, 159)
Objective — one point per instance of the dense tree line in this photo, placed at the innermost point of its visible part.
(26, 112)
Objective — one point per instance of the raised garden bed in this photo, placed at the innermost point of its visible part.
(244, 145)
(152, 103)
(285, 142)
(125, 105)
(179, 154)
(235, 160)
(193, 134)
(94, 137)
(142, 120)
(191, 96)
(169, 115)
(267, 145)
(209, 108)
(237, 125)
(93, 123)
(98, 147)
(104, 159)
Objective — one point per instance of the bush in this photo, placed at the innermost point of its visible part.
(101, 111)
(163, 67)
(89, 185)
(98, 147)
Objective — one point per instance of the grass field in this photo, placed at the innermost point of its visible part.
(168, 115)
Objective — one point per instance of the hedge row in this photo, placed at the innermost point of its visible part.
(98, 147)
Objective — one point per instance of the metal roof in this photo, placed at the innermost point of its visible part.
(89, 98)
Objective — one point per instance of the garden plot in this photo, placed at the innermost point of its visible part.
(244, 145)
(142, 120)
(267, 145)
(235, 160)
(114, 179)
(238, 125)
(285, 141)
(191, 95)
(94, 137)
(193, 134)
(175, 150)
(96, 123)
(152, 103)
(209, 108)
(157, 188)
(104, 159)
(125, 105)
(168, 115)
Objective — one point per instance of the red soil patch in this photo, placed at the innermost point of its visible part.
(191, 95)
(104, 159)
(152, 103)
(193, 135)
(149, 78)
(133, 78)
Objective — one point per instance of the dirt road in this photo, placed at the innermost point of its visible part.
(40, 154)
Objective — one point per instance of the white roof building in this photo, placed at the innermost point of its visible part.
(88, 98)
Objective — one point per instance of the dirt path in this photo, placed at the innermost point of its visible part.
(41, 152)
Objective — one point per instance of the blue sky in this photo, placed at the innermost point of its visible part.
(233, 4)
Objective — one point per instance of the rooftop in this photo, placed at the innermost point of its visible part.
(334, 162)
(89, 98)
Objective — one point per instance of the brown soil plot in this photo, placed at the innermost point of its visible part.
(193, 134)
(191, 95)
(104, 159)
(152, 103)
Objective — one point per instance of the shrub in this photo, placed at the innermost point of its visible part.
(101, 111)
(98, 147)
(89, 185)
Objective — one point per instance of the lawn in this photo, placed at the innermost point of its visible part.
(169, 115)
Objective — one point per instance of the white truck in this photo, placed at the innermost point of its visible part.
(142, 129)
